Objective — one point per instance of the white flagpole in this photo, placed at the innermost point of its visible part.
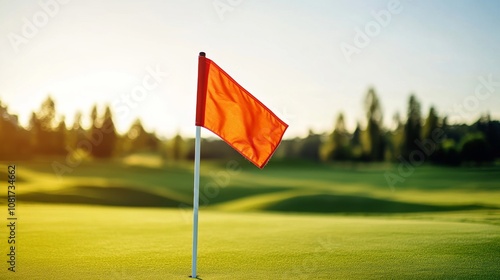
(196, 198)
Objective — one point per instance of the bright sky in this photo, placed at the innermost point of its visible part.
(305, 59)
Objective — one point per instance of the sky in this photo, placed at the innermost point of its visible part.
(307, 60)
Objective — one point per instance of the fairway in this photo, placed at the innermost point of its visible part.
(88, 242)
(132, 220)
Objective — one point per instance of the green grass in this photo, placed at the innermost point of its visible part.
(131, 219)
(428, 185)
(92, 242)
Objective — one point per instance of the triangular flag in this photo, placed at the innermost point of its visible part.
(235, 115)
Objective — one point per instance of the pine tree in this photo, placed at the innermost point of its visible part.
(107, 133)
(340, 140)
(431, 124)
(413, 127)
(376, 145)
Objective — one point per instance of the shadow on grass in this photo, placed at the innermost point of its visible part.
(237, 192)
(327, 203)
(318, 203)
(112, 196)
(5, 176)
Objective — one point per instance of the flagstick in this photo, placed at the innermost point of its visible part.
(196, 198)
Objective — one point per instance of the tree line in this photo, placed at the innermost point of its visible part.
(413, 137)
(48, 136)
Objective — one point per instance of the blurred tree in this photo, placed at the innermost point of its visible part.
(310, 147)
(3, 130)
(48, 133)
(327, 146)
(107, 131)
(445, 128)
(491, 132)
(356, 145)
(395, 141)
(450, 153)
(138, 137)
(340, 148)
(94, 116)
(15, 143)
(46, 118)
(94, 133)
(35, 128)
(47, 114)
(59, 138)
(76, 134)
(3, 111)
(475, 149)
(76, 138)
(412, 131)
(431, 123)
(154, 143)
(178, 147)
(431, 127)
(77, 122)
(356, 135)
(139, 140)
(376, 145)
(102, 133)
(9, 132)
(288, 149)
(398, 123)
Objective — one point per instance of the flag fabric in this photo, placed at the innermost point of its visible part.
(230, 111)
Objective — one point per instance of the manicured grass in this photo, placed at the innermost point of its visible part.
(428, 186)
(131, 219)
(95, 242)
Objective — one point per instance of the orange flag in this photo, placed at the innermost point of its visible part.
(235, 115)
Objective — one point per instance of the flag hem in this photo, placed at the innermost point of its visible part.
(201, 94)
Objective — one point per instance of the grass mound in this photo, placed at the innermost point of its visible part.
(112, 196)
(329, 203)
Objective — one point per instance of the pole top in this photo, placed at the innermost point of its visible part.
(202, 54)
